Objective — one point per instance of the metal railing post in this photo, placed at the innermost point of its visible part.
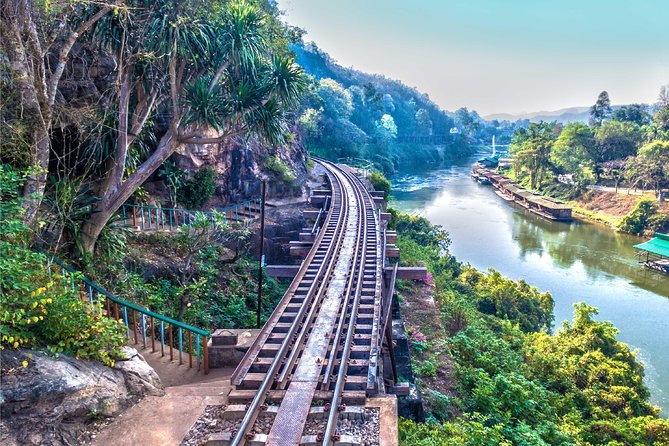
(180, 346)
(206, 355)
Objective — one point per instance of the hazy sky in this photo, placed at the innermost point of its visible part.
(499, 55)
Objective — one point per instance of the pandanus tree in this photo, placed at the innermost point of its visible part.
(209, 75)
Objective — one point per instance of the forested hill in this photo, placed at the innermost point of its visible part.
(348, 113)
(380, 94)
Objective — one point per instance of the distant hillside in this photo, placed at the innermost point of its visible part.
(564, 115)
(348, 113)
(394, 97)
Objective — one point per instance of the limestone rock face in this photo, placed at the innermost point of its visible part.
(240, 165)
(52, 400)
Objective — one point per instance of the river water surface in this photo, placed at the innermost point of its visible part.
(574, 262)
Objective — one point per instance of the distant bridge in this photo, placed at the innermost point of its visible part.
(423, 139)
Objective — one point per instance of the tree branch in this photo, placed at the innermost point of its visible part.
(218, 75)
(116, 176)
(52, 86)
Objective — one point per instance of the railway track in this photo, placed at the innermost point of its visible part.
(320, 351)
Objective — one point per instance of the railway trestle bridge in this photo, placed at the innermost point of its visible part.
(327, 346)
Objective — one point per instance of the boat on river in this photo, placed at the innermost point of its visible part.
(546, 207)
(482, 179)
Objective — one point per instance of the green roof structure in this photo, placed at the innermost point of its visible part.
(658, 245)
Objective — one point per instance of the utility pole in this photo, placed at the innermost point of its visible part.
(263, 193)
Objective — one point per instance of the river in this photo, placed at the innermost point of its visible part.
(575, 262)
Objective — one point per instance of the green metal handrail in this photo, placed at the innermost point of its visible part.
(154, 217)
(112, 304)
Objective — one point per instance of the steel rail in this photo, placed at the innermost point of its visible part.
(281, 435)
(254, 350)
(290, 361)
(270, 377)
(332, 358)
(331, 425)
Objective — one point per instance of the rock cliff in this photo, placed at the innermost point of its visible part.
(53, 399)
(241, 164)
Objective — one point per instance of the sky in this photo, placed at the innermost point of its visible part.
(499, 56)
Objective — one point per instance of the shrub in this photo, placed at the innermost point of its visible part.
(194, 193)
(636, 221)
(279, 169)
(41, 311)
(380, 182)
(428, 368)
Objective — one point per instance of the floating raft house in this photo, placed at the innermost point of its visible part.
(546, 207)
(656, 253)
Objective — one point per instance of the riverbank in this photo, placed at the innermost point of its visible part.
(576, 261)
(617, 210)
(492, 372)
(604, 207)
(612, 208)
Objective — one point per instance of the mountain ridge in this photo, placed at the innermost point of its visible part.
(563, 115)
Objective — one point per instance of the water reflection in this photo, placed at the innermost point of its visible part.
(577, 261)
(602, 252)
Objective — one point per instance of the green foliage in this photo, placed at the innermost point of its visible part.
(635, 113)
(465, 433)
(638, 219)
(601, 110)
(572, 151)
(419, 229)
(531, 149)
(616, 140)
(205, 277)
(310, 164)
(279, 169)
(386, 129)
(336, 100)
(40, 310)
(346, 113)
(380, 183)
(428, 368)
(654, 162)
(506, 299)
(517, 383)
(11, 213)
(69, 203)
(194, 193)
(174, 179)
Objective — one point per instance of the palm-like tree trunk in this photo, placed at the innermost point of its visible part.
(119, 191)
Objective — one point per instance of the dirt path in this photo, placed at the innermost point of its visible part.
(164, 421)
(622, 190)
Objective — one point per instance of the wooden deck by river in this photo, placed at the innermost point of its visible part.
(546, 207)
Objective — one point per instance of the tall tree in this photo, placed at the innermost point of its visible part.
(635, 113)
(616, 140)
(531, 149)
(423, 121)
(573, 149)
(36, 39)
(601, 110)
(209, 67)
(655, 156)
